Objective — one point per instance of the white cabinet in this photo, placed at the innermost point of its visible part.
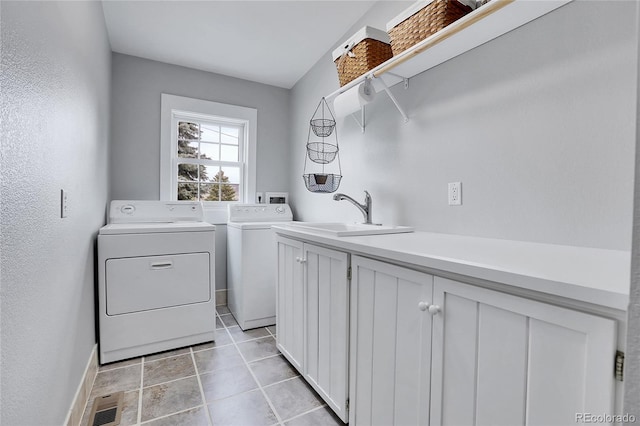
(500, 359)
(290, 301)
(312, 317)
(390, 344)
(428, 350)
(326, 325)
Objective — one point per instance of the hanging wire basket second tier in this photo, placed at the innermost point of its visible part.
(322, 152)
(322, 182)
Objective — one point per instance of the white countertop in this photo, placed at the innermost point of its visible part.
(589, 275)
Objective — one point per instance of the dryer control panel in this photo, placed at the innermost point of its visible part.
(260, 213)
(153, 211)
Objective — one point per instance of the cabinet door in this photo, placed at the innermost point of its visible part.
(390, 344)
(290, 301)
(327, 325)
(500, 359)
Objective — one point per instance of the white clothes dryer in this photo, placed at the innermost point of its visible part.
(156, 286)
(251, 279)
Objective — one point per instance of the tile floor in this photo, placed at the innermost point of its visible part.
(240, 379)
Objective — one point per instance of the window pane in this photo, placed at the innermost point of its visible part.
(208, 173)
(210, 151)
(229, 153)
(187, 191)
(210, 133)
(188, 172)
(187, 149)
(229, 135)
(223, 192)
(231, 174)
(208, 192)
(220, 192)
(188, 130)
(214, 193)
(236, 190)
(228, 187)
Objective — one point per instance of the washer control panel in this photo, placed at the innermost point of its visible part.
(260, 213)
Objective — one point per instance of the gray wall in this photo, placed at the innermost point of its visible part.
(137, 85)
(538, 125)
(135, 151)
(55, 86)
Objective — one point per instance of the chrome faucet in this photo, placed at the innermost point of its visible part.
(364, 208)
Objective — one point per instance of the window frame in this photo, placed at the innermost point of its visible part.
(175, 108)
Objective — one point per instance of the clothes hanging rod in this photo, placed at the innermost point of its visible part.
(349, 85)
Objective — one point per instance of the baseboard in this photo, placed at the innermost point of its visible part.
(221, 297)
(74, 416)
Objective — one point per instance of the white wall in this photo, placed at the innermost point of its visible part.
(538, 125)
(632, 351)
(55, 131)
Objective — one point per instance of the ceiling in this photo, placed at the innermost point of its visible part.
(271, 42)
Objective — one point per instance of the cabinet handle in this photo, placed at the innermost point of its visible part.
(301, 260)
(434, 309)
(423, 306)
(161, 265)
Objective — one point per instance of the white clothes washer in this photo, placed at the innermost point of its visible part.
(156, 286)
(251, 281)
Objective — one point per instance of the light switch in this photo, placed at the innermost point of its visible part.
(63, 203)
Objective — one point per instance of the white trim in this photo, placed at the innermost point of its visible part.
(170, 105)
(81, 397)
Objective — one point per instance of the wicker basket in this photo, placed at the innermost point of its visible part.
(364, 51)
(433, 17)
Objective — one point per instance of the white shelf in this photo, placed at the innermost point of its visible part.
(484, 24)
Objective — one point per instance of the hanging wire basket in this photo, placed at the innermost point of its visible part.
(322, 121)
(321, 152)
(322, 127)
(322, 182)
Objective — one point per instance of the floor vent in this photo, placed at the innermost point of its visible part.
(107, 410)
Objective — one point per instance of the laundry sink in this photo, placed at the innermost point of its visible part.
(351, 229)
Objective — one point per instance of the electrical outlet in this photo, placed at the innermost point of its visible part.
(455, 193)
(63, 203)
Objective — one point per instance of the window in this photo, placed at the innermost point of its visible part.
(207, 152)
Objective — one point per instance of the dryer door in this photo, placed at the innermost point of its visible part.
(152, 282)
